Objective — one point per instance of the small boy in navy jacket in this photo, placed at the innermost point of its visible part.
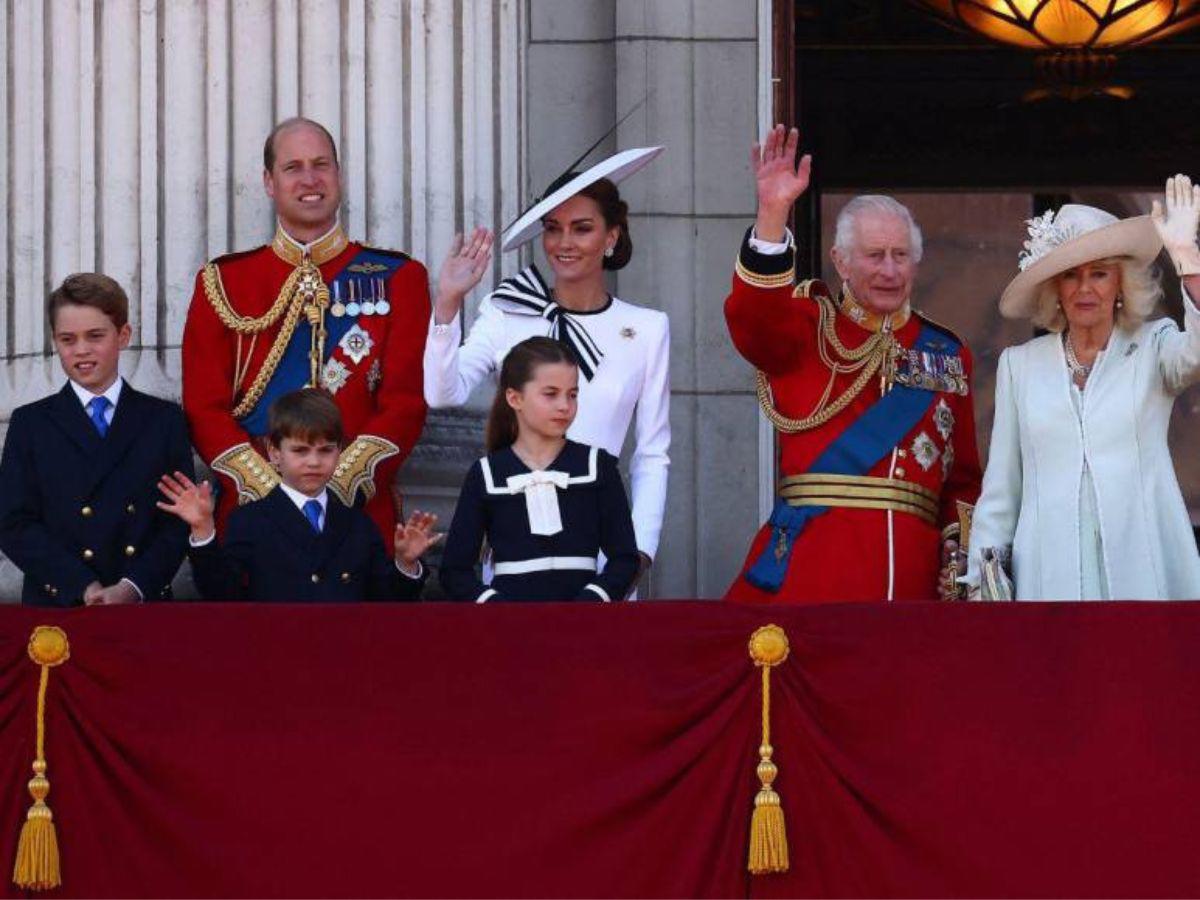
(299, 543)
(77, 498)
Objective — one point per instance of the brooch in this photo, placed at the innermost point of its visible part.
(628, 333)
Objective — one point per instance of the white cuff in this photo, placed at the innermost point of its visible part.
(192, 542)
(599, 590)
(486, 596)
(141, 596)
(420, 570)
(770, 248)
(450, 329)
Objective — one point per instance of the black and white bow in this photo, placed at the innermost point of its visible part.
(526, 294)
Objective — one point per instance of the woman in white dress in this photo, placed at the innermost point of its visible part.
(623, 349)
(1080, 483)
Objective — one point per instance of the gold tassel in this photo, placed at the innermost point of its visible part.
(768, 833)
(37, 864)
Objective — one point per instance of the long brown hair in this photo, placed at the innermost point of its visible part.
(516, 371)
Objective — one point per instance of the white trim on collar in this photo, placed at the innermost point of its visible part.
(490, 483)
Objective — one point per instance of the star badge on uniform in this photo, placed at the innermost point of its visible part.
(925, 451)
(335, 375)
(356, 344)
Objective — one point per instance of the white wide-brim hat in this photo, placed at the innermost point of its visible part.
(1075, 235)
(615, 168)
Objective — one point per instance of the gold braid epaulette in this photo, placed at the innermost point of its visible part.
(867, 359)
(289, 299)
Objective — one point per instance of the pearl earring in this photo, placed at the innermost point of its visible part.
(608, 252)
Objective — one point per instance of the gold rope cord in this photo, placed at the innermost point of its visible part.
(215, 291)
(873, 354)
(303, 293)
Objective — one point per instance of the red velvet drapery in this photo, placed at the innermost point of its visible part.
(595, 750)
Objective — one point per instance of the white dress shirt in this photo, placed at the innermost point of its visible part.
(85, 396)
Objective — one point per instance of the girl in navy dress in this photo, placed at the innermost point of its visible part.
(553, 511)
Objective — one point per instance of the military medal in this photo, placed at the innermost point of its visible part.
(353, 308)
(382, 307)
(338, 309)
(368, 303)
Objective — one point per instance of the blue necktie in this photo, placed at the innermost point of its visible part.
(312, 511)
(97, 406)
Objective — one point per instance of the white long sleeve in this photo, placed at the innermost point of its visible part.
(994, 522)
(1179, 351)
(650, 462)
(452, 371)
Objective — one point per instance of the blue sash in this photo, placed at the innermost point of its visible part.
(292, 373)
(855, 451)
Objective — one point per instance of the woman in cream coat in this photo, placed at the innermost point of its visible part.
(1080, 482)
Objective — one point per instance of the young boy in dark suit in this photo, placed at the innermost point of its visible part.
(77, 498)
(299, 542)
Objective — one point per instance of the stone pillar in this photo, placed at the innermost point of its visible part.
(136, 149)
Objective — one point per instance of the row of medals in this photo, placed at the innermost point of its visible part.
(354, 304)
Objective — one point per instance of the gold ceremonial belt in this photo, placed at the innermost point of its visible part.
(860, 492)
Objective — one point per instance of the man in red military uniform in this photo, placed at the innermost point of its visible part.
(312, 308)
(871, 400)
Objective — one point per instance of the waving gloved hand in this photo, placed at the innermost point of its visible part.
(1177, 226)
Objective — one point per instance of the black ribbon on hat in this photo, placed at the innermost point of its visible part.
(569, 172)
(526, 294)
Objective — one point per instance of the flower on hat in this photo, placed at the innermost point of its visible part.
(1044, 236)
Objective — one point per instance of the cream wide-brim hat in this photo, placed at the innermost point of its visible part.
(1073, 236)
(615, 168)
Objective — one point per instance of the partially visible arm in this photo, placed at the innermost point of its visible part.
(1179, 351)
(453, 371)
(770, 327)
(616, 538)
(649, 466)
(995, 518)
(208, 388)
(24, 536)
(222, 569)
(152, 569)
(464, 543)
(962, 483)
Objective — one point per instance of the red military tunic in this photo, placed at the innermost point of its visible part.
(849, 553)
(374, 372)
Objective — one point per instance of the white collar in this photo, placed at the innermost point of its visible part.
(85, 396)
(300, 499)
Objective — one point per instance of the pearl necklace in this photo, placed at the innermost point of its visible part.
(1078, 369)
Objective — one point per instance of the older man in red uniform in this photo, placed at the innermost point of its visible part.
(311, 308)
(871, 400)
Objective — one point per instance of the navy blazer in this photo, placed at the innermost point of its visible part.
(271, 553)
(77, 508)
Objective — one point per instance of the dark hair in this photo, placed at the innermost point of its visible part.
(516, 371)
(308, 414)
(90, 289)
(614, 210)
(269, 146)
